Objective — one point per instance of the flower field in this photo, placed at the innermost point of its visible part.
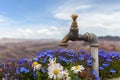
(61, 64)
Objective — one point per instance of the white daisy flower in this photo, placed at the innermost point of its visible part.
(37, 67)
(55, 71)
(77, 69)
(52, 61)
(66, 75)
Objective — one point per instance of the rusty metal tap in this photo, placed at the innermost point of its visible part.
(74, 35)
(88, 37)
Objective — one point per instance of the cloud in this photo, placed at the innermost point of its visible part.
(49, 32)
(26, 32)
(108, 21)
(63, 12)
(96, 17)
(46, 32)
(15, 29)
(100, 23)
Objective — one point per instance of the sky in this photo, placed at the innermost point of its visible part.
(39, 19)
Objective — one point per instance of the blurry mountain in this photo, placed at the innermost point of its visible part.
(18, 48)
(110, 38)
(109, 43)
(10, 40)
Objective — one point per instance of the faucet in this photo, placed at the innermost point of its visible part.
(91, 38)
(74, 35)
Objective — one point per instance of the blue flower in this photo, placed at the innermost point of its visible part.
(82, 51)
(35, 59)
(101, 68)
(104, 56)
(24, 70)
(81, 58)
(70, 54)
(44, 60)
(112, 70)
(47, 53)
(89, 61)
(89, 64)
(61, 58)
(105, 65)
(50, 55)
(68, 61)
(43, 69)
(58, 49)
(113, 54)
(41, 54)
(22, 60)
(17, 71)
(6, 76)
(109, 60)
(88, 56)
(96, 75)
(118, 56)
(101, 51)
(34, 74)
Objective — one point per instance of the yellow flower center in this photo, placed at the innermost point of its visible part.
(35, 63)
(77, 67)
(56, 71)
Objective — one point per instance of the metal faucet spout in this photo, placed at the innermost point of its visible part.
(89, 37)
(73, 33)
(65, 40)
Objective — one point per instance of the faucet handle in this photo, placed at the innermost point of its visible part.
(74, 23)
(74, 17)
